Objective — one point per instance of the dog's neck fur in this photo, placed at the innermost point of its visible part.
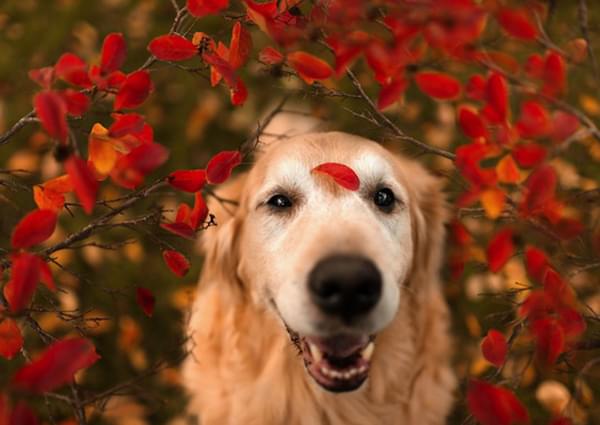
(249, 372)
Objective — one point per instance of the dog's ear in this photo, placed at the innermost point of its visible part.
(219, 244)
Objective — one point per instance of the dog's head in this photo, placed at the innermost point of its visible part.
(330, 262)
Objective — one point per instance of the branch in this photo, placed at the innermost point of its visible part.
(582, 13)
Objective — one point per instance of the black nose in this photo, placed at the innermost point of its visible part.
(345, 285)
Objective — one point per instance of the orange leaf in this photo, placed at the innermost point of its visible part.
(493, 201)
(507, 170)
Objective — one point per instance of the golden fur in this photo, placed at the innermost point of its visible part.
(243, 370)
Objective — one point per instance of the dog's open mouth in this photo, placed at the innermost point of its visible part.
(339, 363)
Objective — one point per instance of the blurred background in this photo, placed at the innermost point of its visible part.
(195, 121)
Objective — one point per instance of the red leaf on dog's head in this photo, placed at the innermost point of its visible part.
(180, 229)
(134, 91)
(24, 277)
(549, 339)
(536, 262)
(309, 67)
(270, 56)
(220, 166)
(172, 47)
(200, 8)
(22, 415)
(84, 183)
(240, 45)
(77, 103)
(518, 23)
(500, 249)
(471, 123)
(56, 366)
(72, 69)
(555, 75)
(534, 120)
(494, 347)
(496, 94)
(51, 110)
(114, 51)
(529, 155)
(126, 124)
(176, 262)
(188, 180)
(492, 405)
(145, 299)
(540, 189)
(341, 174)
(391, 92)
(11, 340)
(563, 126)
(34, 228)
(44, 77)
(438, 85)
(199, 212)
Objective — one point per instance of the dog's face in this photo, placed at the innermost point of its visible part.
(331, 262)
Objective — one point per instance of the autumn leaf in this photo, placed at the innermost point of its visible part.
(44, 77)
(176, 262)
(134, 91)
(11, 339)
(270, 56)
(494, 405)
(180, 229)
(549, 340)
(500, 249)
(540, 189)
(22, 415)
(518, 23)
(200, 8)
(220, 166)
(240, 45)
(309, 67)
(563, 126)
(341, 174)
(51, 110)
(188, 180)
(471, 123)
(56, 366)
(72, 69)
(390, 93)
(534, 120)
(507, 170)
(438, 85)
(33, 229)
(536, 262)
(199, 213)
(76, 102)
(84, 183)
(24, 277)
(496, 95)
(529, 155)
(555, 75)
(146, 300)
(126, 124)
(172, 47)
(114, 52)
(494, 347)
(493, 200)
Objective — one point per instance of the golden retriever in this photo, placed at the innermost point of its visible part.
(321, 305)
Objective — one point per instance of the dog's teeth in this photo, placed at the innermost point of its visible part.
(367, 352)
(316, 354)
(362, 369)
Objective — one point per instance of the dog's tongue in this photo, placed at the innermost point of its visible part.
(341, 345)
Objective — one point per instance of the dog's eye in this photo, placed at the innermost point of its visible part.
(279, 201)
(384, 198)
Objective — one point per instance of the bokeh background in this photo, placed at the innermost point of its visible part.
(194, 121)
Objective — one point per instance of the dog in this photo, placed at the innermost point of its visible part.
(318, 304)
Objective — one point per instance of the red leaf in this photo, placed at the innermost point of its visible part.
(240, 46)
(475, 88)
(84, 183)
(239, 93)
(180, 229)
(391, 92)
(540, 189)
(22, 415)
(220, 166)
(199, 212)
(534, 67)
(529, 155)
(200, 8)
(536, 262)
(46, 275)
(534, 120)
(77, 103)
(549, 338)
(188, 180)
(572, 323)
(341, 174)
(564, 125)
(492, 405)
(56, 366)
(172, 47)
(11, 339)
(34, 228)
(555, 75)
(500, 249)
(494, 347)
(557, 290)
(438, 85)
(44, 77)
(126, 124)
(183, 213)
(496, 93)
(518, 23)
(270, 56)
(72, 69)
(24, 277)
(51, 109)
(145, 299)
(568, 228)
(222, 68)
(114, 51)
(309, 67)
(537, 304)
(176, 262)
(134, 91)
(471, 123)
